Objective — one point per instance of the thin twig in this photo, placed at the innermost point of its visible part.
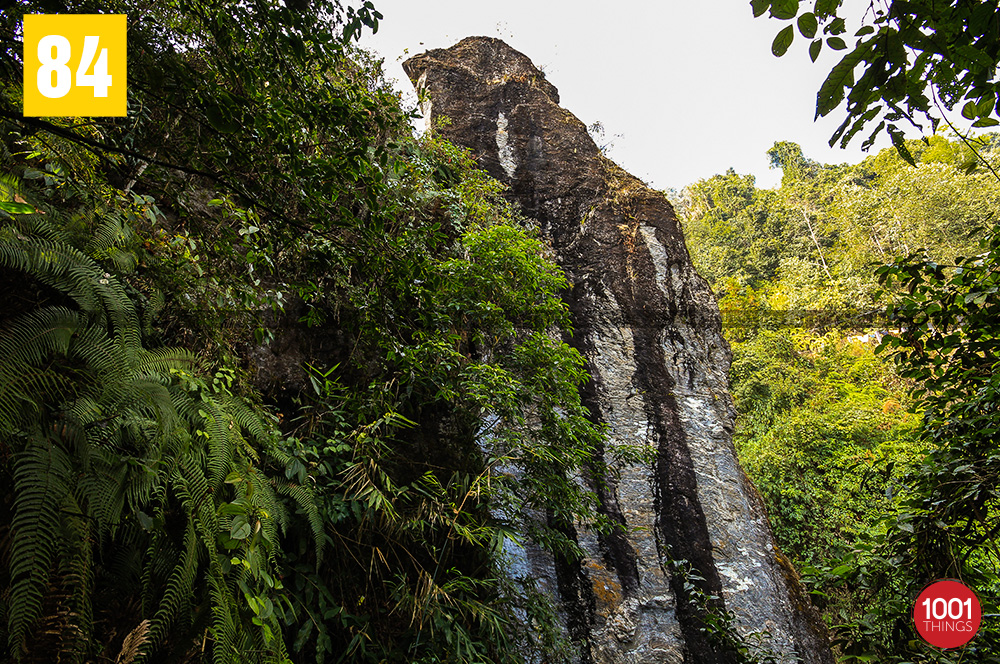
(968, 144)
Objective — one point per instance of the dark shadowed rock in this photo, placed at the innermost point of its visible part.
(650, 329)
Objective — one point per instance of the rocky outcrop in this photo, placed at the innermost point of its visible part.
(693, 541)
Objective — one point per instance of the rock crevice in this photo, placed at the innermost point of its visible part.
(693, 538)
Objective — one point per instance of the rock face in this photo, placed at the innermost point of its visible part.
(693, 540)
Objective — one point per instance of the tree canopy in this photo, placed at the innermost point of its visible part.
(279, 380)
(878, 469)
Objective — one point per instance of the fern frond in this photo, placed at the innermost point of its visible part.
(133, 643)
(192, 487)
(247, 418)
(214, 424)
(10, 187)
(28, 376)
(42, 476)
(151, 308)
(263, 498)
(141, 485)
(162, 360)
(42, 225)
(225, 622)
(77, 579)
(108, 239)
(104, 488)
(305, 498)
(179, 589)
(147, 400)
(160, 557)
(70, 271)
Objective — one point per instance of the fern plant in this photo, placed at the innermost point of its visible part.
(130, 477)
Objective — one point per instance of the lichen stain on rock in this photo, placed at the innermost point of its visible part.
(650, 330)
(607, 588)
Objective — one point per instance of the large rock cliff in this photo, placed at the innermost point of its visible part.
(693, 541)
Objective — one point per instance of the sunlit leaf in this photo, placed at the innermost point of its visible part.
(17, 208)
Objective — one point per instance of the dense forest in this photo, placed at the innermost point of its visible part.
(174, 485)
(833, 288)
(176, 490)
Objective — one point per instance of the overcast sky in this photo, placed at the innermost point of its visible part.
(684, 88)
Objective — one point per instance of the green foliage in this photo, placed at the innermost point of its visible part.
(471, 420)
(185, 501)
(824, 432)
(719, 623)
(948, 521)
(111, 447)
(916, 59)
(810, 248)
(878, 476)
(737, 230)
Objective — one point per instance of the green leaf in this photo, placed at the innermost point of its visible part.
(836, 27)
(17, 208)
(240, 529)
(808, 25)
(831, 93)
(969, 111)
(900, 144)
(298, 46)
(783, 41)
(221, 121)
(759, 7)
(977, 56)
(986, 122)
(784, 9)
(815, 48)
(145, 520)
(981, 17)
(826, 7)
(302, 635)
(836, 43)
(227, 509)
(864, 30)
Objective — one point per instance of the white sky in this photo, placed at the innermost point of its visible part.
(685, 88)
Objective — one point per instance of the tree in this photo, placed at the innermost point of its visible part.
(737, 230)
(937, 206)
(918, 59)
(949, 522)
(265, 161)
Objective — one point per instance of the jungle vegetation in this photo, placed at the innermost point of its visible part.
(860, 305)
(928, 65)
(171, 494)
(175, 493)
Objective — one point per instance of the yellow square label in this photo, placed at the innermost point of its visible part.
(74, 65)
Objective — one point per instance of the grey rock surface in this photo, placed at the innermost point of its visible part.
(651, 331)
